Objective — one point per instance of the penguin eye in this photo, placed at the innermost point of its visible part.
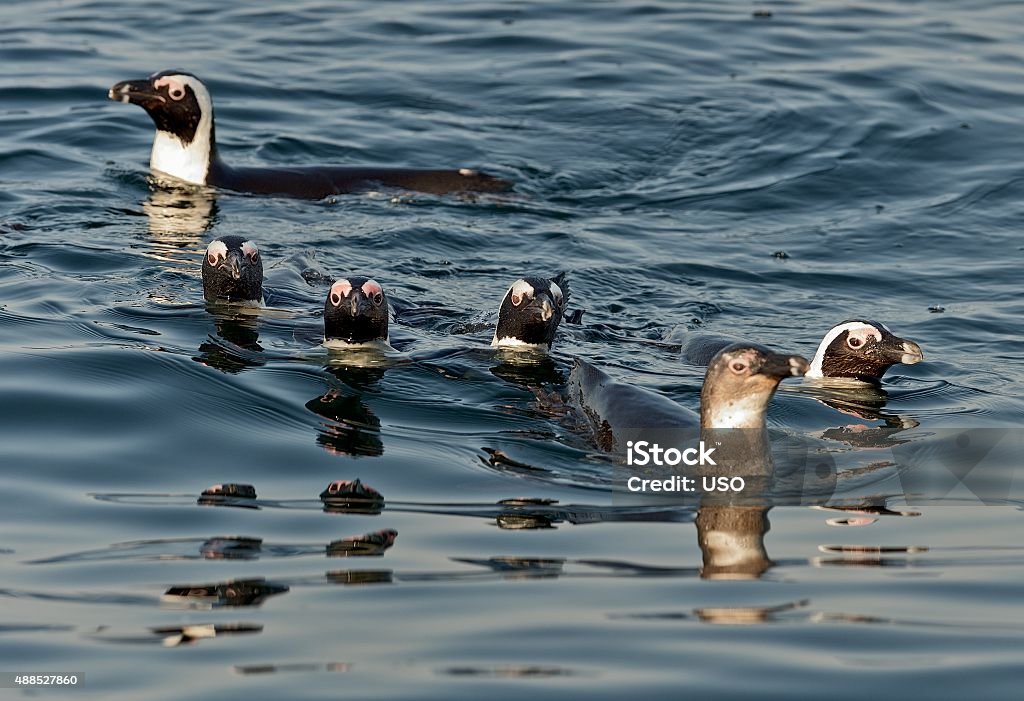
(176, 92)
(738, 367)
(854, 342)
(335, 298)
(378, 298)
(213, 258)
(517, 299)
(254, 256)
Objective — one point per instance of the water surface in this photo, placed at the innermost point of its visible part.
(763, 171)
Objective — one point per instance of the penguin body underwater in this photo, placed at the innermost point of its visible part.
(185, 148)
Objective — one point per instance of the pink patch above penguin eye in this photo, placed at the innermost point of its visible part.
(860, 337)
(371, 288)
(174, 88)
(250, 250)
(216, 252)
(340, 291)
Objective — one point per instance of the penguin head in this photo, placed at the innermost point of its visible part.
(356, 311)
(182, 110)
(862, 350)
(739, 382)
(233, 271)
(530, 313)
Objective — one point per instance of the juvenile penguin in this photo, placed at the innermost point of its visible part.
(356, 315)
(738, 384)
(530, 313)
(233, 272)
(855, 349)
(185, 148)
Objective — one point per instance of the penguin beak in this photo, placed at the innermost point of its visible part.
(902, 351)
(543, 306)
(233, 264)
(359, 304)
(781, 366)
(137, 92)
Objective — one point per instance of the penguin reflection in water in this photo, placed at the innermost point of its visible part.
(185, 149)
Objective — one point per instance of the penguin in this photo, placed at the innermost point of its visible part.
(185, 148)
(356, 315)
(738, 384)
(233, 272)
(859, 349)
(530, 313)
(855, 349)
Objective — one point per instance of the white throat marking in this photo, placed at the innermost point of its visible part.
(190, 163)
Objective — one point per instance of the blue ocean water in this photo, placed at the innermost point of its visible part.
(762, 170)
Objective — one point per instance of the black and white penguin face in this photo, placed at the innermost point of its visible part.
(530, 314)
(356, 312)
(740, 381)
(233, 271)
(862, 350)
(182, 110)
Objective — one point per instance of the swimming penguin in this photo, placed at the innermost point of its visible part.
(738, 384)
(185, 148)
(861, 350)
(233, 272)
(855, 349)
(356, 315)
(530, 313)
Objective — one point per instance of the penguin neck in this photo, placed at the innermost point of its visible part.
(732, 410)
(188, 161)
